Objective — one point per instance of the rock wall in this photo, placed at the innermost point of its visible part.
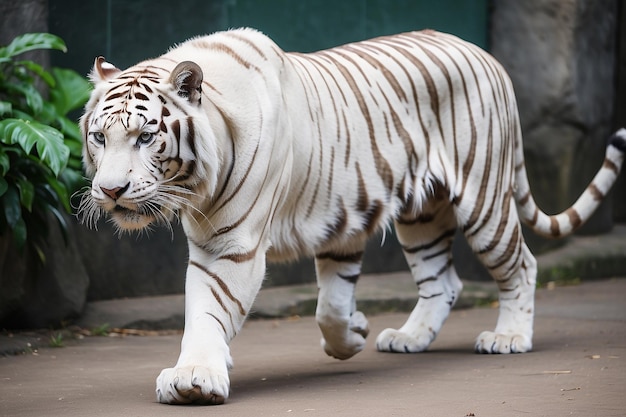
(35, 295)
(560, 55)
(619, 191)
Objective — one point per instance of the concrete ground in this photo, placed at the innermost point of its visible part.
(578, 368)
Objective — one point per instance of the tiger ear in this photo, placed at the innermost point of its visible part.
(103, 70)
(187, 81)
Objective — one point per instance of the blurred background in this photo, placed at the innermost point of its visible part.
(567, 59)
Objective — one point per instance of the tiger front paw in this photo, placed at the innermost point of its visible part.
(192, 384)
(392, 340)
(351, 342)
(492, 342)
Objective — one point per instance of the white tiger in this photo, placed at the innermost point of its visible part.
(264, 154)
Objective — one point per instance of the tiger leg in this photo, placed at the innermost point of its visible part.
(427, 243)
(502, 250)
(218, 295)
(344, 329)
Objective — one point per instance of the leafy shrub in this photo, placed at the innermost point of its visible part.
(40, 147)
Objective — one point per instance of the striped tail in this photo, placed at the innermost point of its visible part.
(566, 222)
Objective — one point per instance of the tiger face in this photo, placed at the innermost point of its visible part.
(140, 139)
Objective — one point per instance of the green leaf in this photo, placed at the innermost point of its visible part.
(71, 91)
(4, 186)
(5, 107)
(19, 73)
(27, 192)
(58, 192)
(70, 130)
(73, 180)
(16, 150)
(18, 114)
(5, 162)
(49, 141)
(30, 93)
(12, 207)
(48, 115)
(39, 70)
(32, 41)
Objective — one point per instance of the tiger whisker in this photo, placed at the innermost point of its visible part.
(79, 193)
(180, 190)
(167, 192)
(88, 211)
(156, 210)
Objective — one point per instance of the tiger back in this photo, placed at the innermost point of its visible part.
(266, 155)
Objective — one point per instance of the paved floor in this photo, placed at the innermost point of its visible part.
(578, 368)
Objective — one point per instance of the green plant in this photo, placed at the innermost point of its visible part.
(56, 340)
(40, 147)
(102, 330)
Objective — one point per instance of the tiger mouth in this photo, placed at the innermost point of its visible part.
(123, 210)
(137, 215)
(131, 218)
(138, 210)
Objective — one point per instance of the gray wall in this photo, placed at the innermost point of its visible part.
(619, 191)
(561, 55)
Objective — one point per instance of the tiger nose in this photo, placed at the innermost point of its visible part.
(116, 192)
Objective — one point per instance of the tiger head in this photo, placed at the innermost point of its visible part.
(148, 143)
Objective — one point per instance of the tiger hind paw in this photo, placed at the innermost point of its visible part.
(491, 342)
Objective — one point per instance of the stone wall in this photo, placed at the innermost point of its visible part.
(561, 56)
(23, 16)
(619, 190)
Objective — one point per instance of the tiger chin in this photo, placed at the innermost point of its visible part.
(267, 155)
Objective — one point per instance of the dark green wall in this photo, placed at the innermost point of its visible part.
(127, 31)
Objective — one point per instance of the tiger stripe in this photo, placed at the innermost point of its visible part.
(223, 286)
